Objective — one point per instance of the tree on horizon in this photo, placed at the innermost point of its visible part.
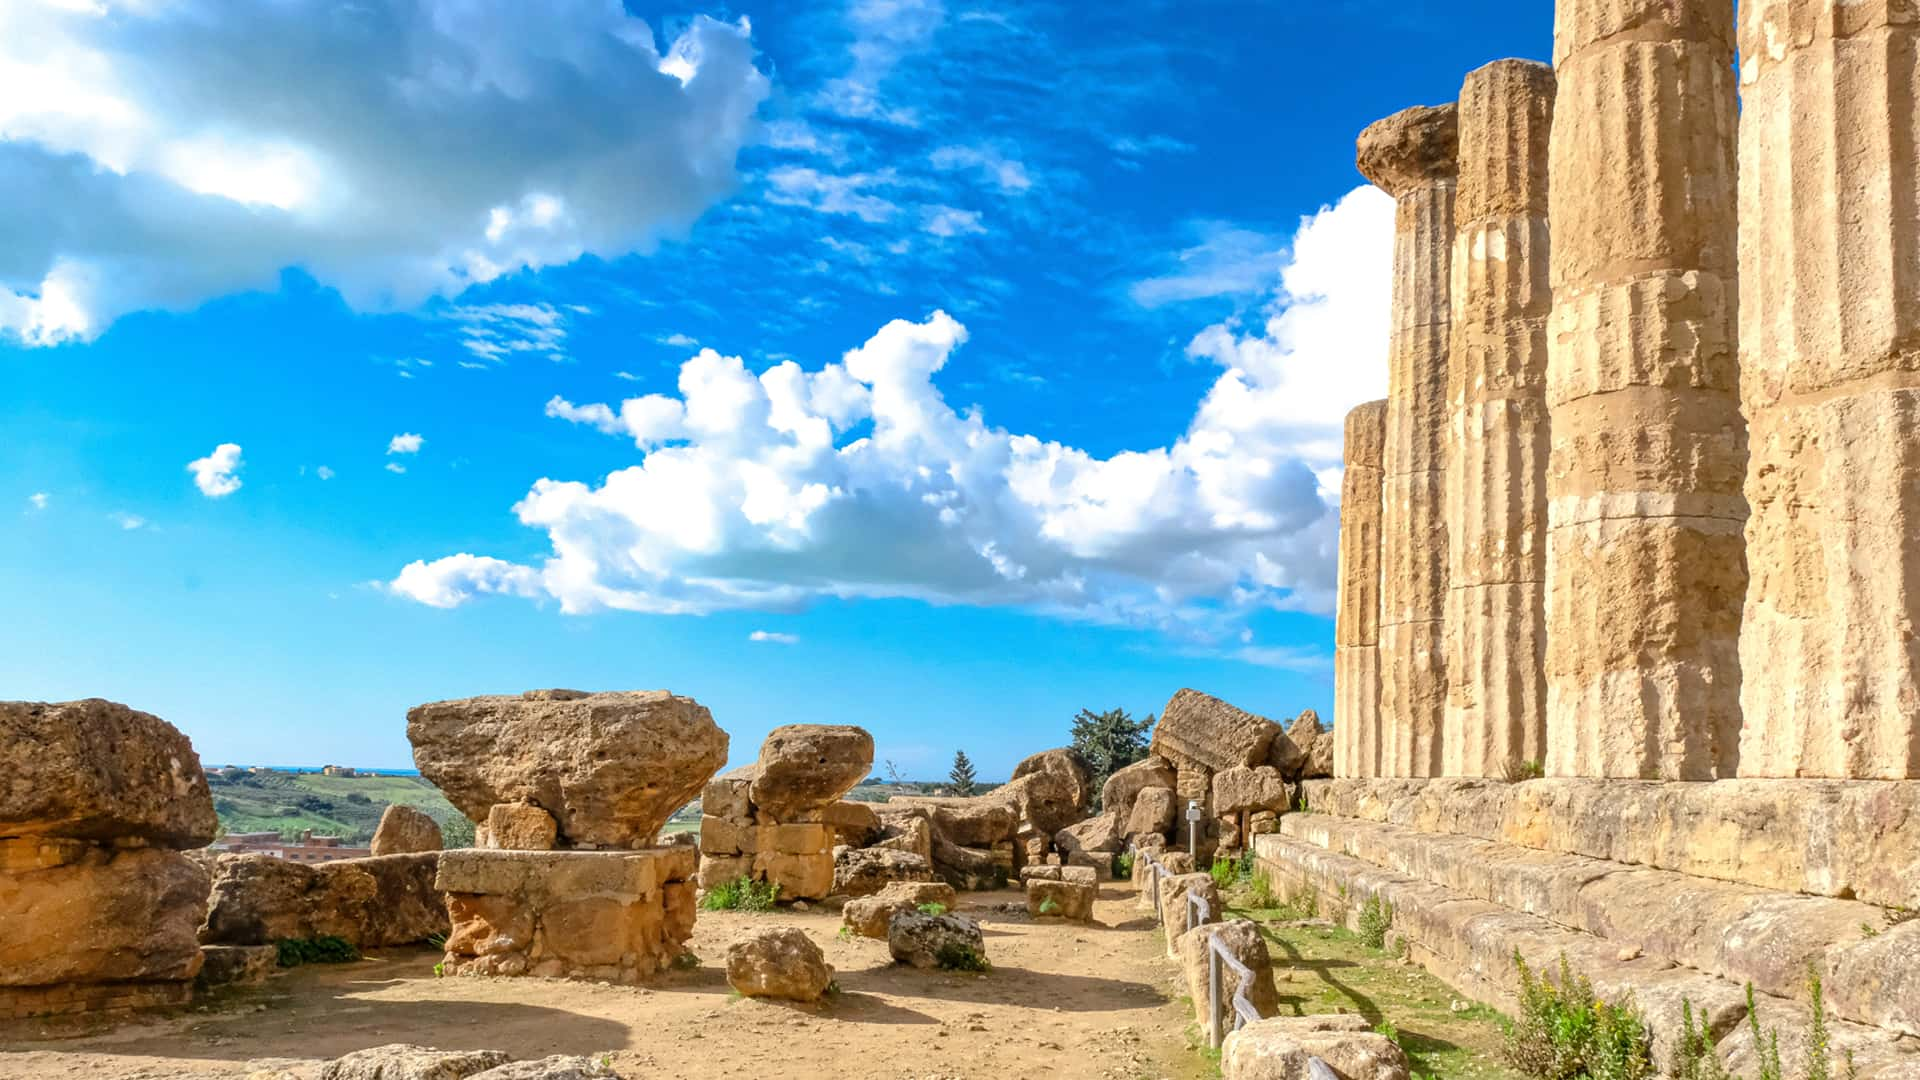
(961, 777)
(1110, 741)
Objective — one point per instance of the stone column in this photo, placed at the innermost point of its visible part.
(1646, 565)
(1410, 155)
(1830, 374)
(1356, 632)
(1498, 439)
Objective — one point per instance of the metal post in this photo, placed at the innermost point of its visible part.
(1213, 996)
(1193, 831)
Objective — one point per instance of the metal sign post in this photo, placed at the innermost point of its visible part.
(1193, 831)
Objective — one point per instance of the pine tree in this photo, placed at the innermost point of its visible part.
(962, 775)
(1110, 741)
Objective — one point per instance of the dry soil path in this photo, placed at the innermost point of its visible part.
(1063, 1000)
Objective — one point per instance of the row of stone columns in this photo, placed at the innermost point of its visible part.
(1563, 526)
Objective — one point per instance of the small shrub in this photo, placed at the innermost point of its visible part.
(440, 969)
(1123, 866)
(741, 894)
(1517, 771)
(1376, 918)
(1564, 1032)
(1225, 872)
(686, 961)
(954, 957)
(1260, 893)
(1386, 1030)
(325, 949)
(934, 909)
(1048, 906)
(1693, 1056)
(437, 941)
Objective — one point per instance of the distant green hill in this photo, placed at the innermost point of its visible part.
(344, 806)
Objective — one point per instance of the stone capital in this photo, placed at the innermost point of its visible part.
(1411, 148)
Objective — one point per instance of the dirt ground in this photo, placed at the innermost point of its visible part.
(1063, 1000)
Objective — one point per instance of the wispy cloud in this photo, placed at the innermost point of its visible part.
(774, 637)
(497, 332)
(37, 501)
(1227, 260)
(126, 521)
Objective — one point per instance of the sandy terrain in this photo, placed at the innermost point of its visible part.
(1063, 1001)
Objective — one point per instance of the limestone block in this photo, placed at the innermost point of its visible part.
(853, 823)
(799, 876)
(1153, 812)
(727, 836)
(1197, 729)
(1060, 899)
(1066, 764)
(720, 869)
(1242, 941)
(1174, 913)
(404, 830)
(1281, 1047)
(804, 767)
(780, 963)
(1239, 790)
(935, 941)
(521, 827)
(236, 965)
(371, 903)
(865, 871)
(96, 770)
(80, 913)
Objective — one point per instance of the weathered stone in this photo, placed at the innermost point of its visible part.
(729, 795)
(1239, 790)
(1262, 821)
(1646, 565)
(727, 837)
(1060, 899)
(1356, 633)
(1411, 156)
(865, 871)
(1829, 314)
(371, 903)
(554, 1067)
(609, 767)
(1068, 765)
(99, 771)
(1153, 812)
(521, 827)
(717, 870)
(798, 875)
(869, 916)
(1200, 729)
(1174, 909)
(1279, 1048)
(1117, 795)
(909, 832)
(1228, 830)
(935, 941)
(1048, 799)
(236, 965)
(1315, 750)
(1241, 940)
(1079, 875)
(804, 767)
(1498, 434)
(1098, 835)
(780, 963)
(966, 867)
(400, 1061)
(853, 823)
(405, 830)
(74, 912)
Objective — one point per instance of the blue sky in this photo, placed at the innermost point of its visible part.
(940, 367)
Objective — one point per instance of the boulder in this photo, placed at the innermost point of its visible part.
(1048, 799)
(869, 916)
(402, 1061)
(609, 767)
(1173, 905)
(1280, 1047)
(936, 941)
(865, 871)
(779, 963)
(1227, 829)
(1153, 812)
(1240, 790)
(405, 831)
(1068, 765)
(95, 770)
(854, 823)
(1314, 760)
(1080, 875)
(965, 867)
(236, 965)
(1242, 941)
(1125, 785)
(73, 912)
(556, 1067)
(521, 827)
(906, 829)
(729, 795)
(803, 767)
(1202, 730)
(1261, 822)
(981, 822)
(1098, 835)
(1060, 899)
(372, 903)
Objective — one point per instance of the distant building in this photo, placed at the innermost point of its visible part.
(339, 770)
(308, 849)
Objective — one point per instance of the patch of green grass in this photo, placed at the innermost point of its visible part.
(1049, 906)
(325, 949)
(957, 957)
(933, 909)
(741, 894)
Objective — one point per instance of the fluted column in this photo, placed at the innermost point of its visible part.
(1497, 448)
(1830, 373)
(1410, 155)
(1645, 559)
(1356, 631)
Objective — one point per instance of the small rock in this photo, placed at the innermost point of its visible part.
(780, 963)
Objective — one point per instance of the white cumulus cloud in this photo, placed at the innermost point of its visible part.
(405, 443)
(38, 500)
(216, 475)
(858, 479)
(394, 149)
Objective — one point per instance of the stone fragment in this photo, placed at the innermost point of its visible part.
(1279, 1048)
(555, 1067)
(780, 963)
(1069, 766)
(1202, 730)
(1117, 795)
(729, 795)
(77, 913)
(236, 965)
(1241, 940)
(1356, 660)
(966, 867)
(609, 767)
(804, 767)
(719, 869)
(974, 822)
(521, 827)
(405, 830)
(1239, 790)
(909, 832)
(1060, 899)
(1411, 156)
(1098, 835)
(1646, 563)
(854, 823)
(403, 1061)
(99, 771)
(1175, 913)
(1153, 812)
(869, 916)
(370, 903)
(936, 941)
(798, 875)
(1829, 312)
(1315, 760)
(865, 871)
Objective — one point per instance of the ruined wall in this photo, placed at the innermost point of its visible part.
(1356, 661)
(1830, 307)
(1498, 436)
(1410, 156)
(1645, 561)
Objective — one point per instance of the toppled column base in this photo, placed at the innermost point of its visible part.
(616, 916)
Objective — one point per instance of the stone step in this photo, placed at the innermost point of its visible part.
(1849, 839)
(1870, 971)
(1470, 942)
